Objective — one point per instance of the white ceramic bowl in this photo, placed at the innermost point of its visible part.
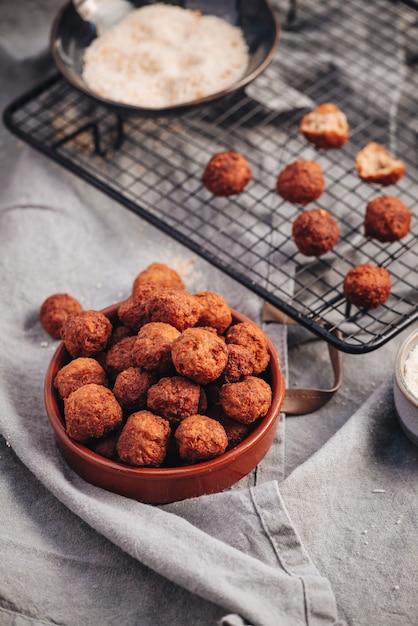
(406, 402)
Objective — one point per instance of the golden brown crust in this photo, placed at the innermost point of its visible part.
(247, 400)
(54, 312)
(252, 338)
(374, 164)
(367, 286)
(301, 182)
(132, 311)
(77, 373)
(235, 431)
(200, 438)
(239, 364)
(159, 274)
(106, 446)
(86, 333)
(325, 127)
(387, 219)
(91, 411)
(120, 356)
(214, 312)
(173, 306)
(144, 439)
(315, 232)
(152, 347)
(227, 173)
(200, 355)
(174, 398)
(131, 388)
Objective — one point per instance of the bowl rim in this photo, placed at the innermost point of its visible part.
(55, 417)
(126, 108)
(405, 348)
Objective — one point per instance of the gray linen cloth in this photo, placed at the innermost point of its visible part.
(334, 513)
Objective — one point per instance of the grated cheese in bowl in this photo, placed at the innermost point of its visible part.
(162, 55)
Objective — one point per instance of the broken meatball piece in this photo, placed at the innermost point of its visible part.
(158, 274)
(144, 440)
(86, 333)
(227, 173)
(152, 347)
(200, 438)
(174, 398)
(131, 388)
(367, 286)
(91, 411)
(77, 373)
(252, 338)
(173, 306)
(325, 126)
(215, 311)
(315, 232)
(54, 312)
(247, 400)
(387, 219)
(199, 354)
(374, 164)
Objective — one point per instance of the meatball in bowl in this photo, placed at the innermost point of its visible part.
(174, 437)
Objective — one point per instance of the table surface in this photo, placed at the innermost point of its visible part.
(343, 480)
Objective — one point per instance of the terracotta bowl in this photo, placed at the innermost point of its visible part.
(165, 484)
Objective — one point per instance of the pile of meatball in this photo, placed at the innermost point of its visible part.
(315, 231)
(173, 380)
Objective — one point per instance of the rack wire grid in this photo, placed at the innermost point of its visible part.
(153, 165)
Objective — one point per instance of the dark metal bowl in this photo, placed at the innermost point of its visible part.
(71, 35)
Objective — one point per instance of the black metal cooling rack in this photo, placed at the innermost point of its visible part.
(363, 57)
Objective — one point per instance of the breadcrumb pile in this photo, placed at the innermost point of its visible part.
(162, 55)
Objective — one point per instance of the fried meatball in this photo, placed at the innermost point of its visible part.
(77, 373)
(106, 446)
(215, 311)
(367, 286)
(54, 312)
(144, 440)
(239, 364)
(374, 164)
(227, 173)
(120, 356)
(235, 431)
(118, 333)
(315, 232)
(325, 126)
(86, 333)
(200, 355)
(200, 438)
(158, 274)
(247, 400)
(301, 182)
(174, 398)
(152, 347)
(387, 219)
(173, 306)
(251, 337)
(91, 411)
(132, 311)
(131, 387)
